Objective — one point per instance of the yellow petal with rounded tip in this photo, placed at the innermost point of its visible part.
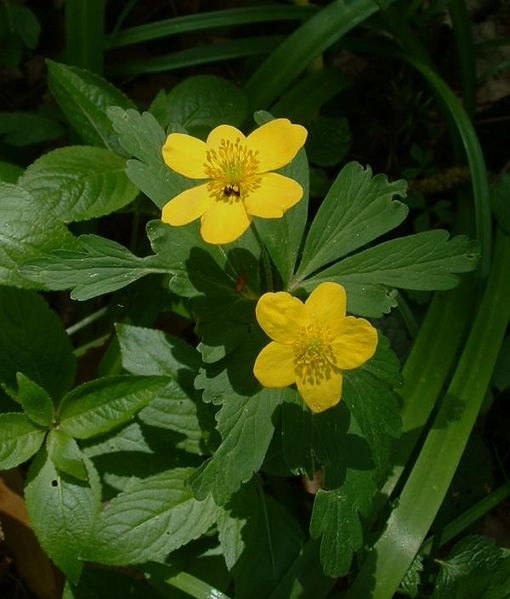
(321, 394)
(224, 222)
(326, 306)
(186, 155)
(187, 206)
(224, 132)
(276, 143)
(274, 366)
(274, 195)
(355, 344)
(281, 316)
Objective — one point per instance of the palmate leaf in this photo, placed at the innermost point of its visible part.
(357, 209)
(253, 529)
(424, 261)
(141, 136)
(153, 517)
(62, 512)
(78, 183)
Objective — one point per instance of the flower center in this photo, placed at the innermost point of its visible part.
(232, 171)
(313, 355)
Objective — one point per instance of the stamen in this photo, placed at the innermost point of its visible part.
(313, 356)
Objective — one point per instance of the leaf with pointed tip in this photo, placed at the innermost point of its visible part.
(20, 438)
(35, 400)
(100, 406)
(357, 209)
(62, 512)
(78, 183)
(152, 517)
(65, 454)
(84, 98)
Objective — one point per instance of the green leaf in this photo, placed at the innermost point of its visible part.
(336, 518)
(424, 261)
(35, 400)
(34, 342)
(26, 128)
(62, 512)
(9, 173)
(357, 209)
(24, 22)
(472, 553)
(256, 529)
(99, 406)
(79, 183)
(141, 136)
(369, 395)
(246, 426)
(65, 454)
(150, 519)
(20, 438)
(411, 582)
(95, 267)
(203, 102)
(84, 98)
(500, 193)
(283, 236)
(26, 233)
(328, 141)
(106, 584)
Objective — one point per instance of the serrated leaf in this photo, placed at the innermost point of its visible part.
(142, 137)
(99, 406)
(246, 426)
(335, 518)
(357, 209)
(84, 98)
(203, 102)
(26, 233)
(328, 141)
(65, 454)
(79, 183)
(473, 552)
(62, 512)
(35, 400)
(95, 267)
(373, 403)
(256, 529)
(20, 438)
(424, 261)
(412, 580)
(152, 518)
(33, 341)
(283, 236)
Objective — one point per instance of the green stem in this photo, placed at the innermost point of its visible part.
(84, 322)
(435, 467)
(466, 51)
(266, 262)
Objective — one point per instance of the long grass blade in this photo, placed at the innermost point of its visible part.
(85, 34)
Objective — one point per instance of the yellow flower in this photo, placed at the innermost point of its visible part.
(313, 343)
(239, 184)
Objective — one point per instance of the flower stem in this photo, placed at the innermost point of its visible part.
(266, 262)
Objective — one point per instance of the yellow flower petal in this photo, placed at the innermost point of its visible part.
(187, 206)
(356, 343)
(224, 132)
(277, 143)
(274, 366)
(326, 306)
(323, 393)
(186, 155)
(224, 222)
(281, 316)
(274, 195)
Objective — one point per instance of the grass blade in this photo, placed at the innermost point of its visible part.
(85, 34)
